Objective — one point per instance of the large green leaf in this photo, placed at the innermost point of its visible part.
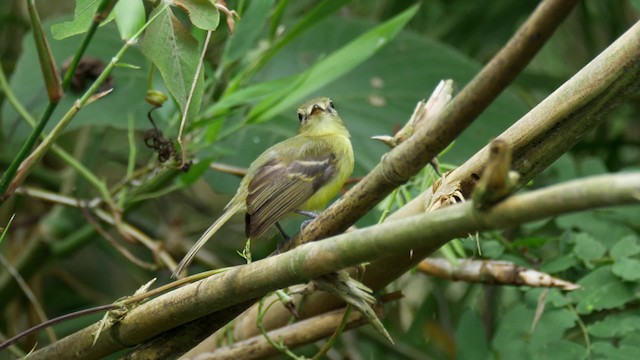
(332, 67)
(175, 53)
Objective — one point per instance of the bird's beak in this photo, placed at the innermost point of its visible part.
(316, 110)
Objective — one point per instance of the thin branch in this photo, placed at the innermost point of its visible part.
(133, 232)
(119, 248)
(30, 295)
(292, 336)
(431, 230)
(492, 272)
(190, 97)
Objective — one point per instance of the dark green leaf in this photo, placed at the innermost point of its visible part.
(531, 242)
(615, 325)
(601, 290)
(559, 349)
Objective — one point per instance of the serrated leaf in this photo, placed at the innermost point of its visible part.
(175, 53)
(615, 325)
(627, 269)
(626, 247)
(610, 351)
(83, 15)
(130, 17)
(202, 13)
(587, 248)
(601, 290)
(332, 67)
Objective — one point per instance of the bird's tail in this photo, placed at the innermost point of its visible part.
(206, 236)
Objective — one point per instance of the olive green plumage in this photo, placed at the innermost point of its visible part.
(303, 172)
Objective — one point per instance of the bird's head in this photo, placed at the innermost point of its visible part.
(319, 117)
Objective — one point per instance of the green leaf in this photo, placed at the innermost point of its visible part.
(175, 53)
(533, 242)
(130, 17)
(202, 13)
(587, 248)
(628, 348)
(514, 340)
(626, 247)
(83, 16)
(559, 349)
(333, 67)
(559, 263)
(491, 249)
(195, 171)
(471, 341)
(627, 269)
(601, 290)
(247, 31)
(615, 325)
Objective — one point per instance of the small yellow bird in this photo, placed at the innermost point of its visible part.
(301, 173)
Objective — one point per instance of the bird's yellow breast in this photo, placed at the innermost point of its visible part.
(344, 164)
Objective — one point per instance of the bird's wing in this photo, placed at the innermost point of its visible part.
(278, 189)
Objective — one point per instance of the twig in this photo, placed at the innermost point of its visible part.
(492, 272)
(190, 97)
(30, 295)
(121, 249)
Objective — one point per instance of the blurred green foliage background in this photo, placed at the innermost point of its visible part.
(445, 39)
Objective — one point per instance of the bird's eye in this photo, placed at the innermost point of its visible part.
(331, 105)
(300, 117)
